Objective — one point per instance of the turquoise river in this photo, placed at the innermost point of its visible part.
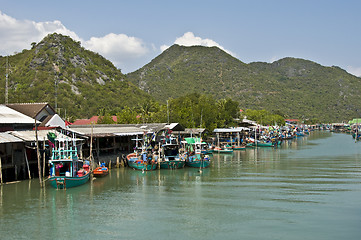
(309, 188)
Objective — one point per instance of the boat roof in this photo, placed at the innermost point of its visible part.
(66, 160)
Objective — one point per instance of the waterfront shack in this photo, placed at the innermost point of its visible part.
(11, 157)
(111, 141)
(11, 119)
(230, 136)
(38, 111)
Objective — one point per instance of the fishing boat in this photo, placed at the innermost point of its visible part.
(196, 158)
(101, 171)
(142, 157)
(300, 134)
(264, 144)
(170, 156)
(223, 150)
(66, 169)
(141, 162)
(242, 147)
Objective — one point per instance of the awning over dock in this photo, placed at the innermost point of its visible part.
(230, 130)
(29, 136)
(109, 130)
(8, 138)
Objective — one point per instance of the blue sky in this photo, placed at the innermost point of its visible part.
(131, 33)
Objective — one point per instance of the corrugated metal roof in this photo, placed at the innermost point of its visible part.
(11, 116)
(230, 130)
(191, 131)
(106, 131)
(8, 138)
(29, 136)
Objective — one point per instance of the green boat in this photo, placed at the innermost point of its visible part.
(223, 150)
(267, 144)
(196, 158)
(136, 162)
(198, 161)
(239, 148)
(170, 157)
(264, 144)
(174, 164)
(66, 169)
(63, 182)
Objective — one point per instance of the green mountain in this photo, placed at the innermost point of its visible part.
(292, 87)
(59, 71)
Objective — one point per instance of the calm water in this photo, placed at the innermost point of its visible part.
(310, 188)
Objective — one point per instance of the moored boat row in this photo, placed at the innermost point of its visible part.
(67, 169)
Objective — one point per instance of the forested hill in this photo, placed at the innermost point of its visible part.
(83, 81)
(292, 87)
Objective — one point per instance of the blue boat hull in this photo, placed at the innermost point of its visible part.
(62, 182)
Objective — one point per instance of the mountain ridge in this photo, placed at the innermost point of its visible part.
(292, 86)
(75, 80)
(83, 83)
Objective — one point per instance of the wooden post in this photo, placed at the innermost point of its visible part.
(14, 163)
(81, 150)
(44, 158)
(91, 149)
(114, 143)
(38, 154)
(117, 162)
(98, 149)
(27, 163)
(1, 173)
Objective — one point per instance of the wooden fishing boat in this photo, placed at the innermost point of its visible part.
(66, 169)
(223, 150)
(230, 147)
(239, 147)
(140, 162)
(101, 171)
(264, 144)
(299, 134)
(196, 158)
(170, 157)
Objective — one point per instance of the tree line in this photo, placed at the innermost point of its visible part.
(192, 111)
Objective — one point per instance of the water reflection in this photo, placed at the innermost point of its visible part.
(306, 182)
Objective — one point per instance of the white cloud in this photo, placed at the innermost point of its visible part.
(16, 35)
(164, 47)
(117, 47)
(188, 39)
(124, 51)
(354, 70)
(274, 58)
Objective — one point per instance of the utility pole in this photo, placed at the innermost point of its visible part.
(167, 113)
(56, 91)
(7, 67)
(6, 81)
